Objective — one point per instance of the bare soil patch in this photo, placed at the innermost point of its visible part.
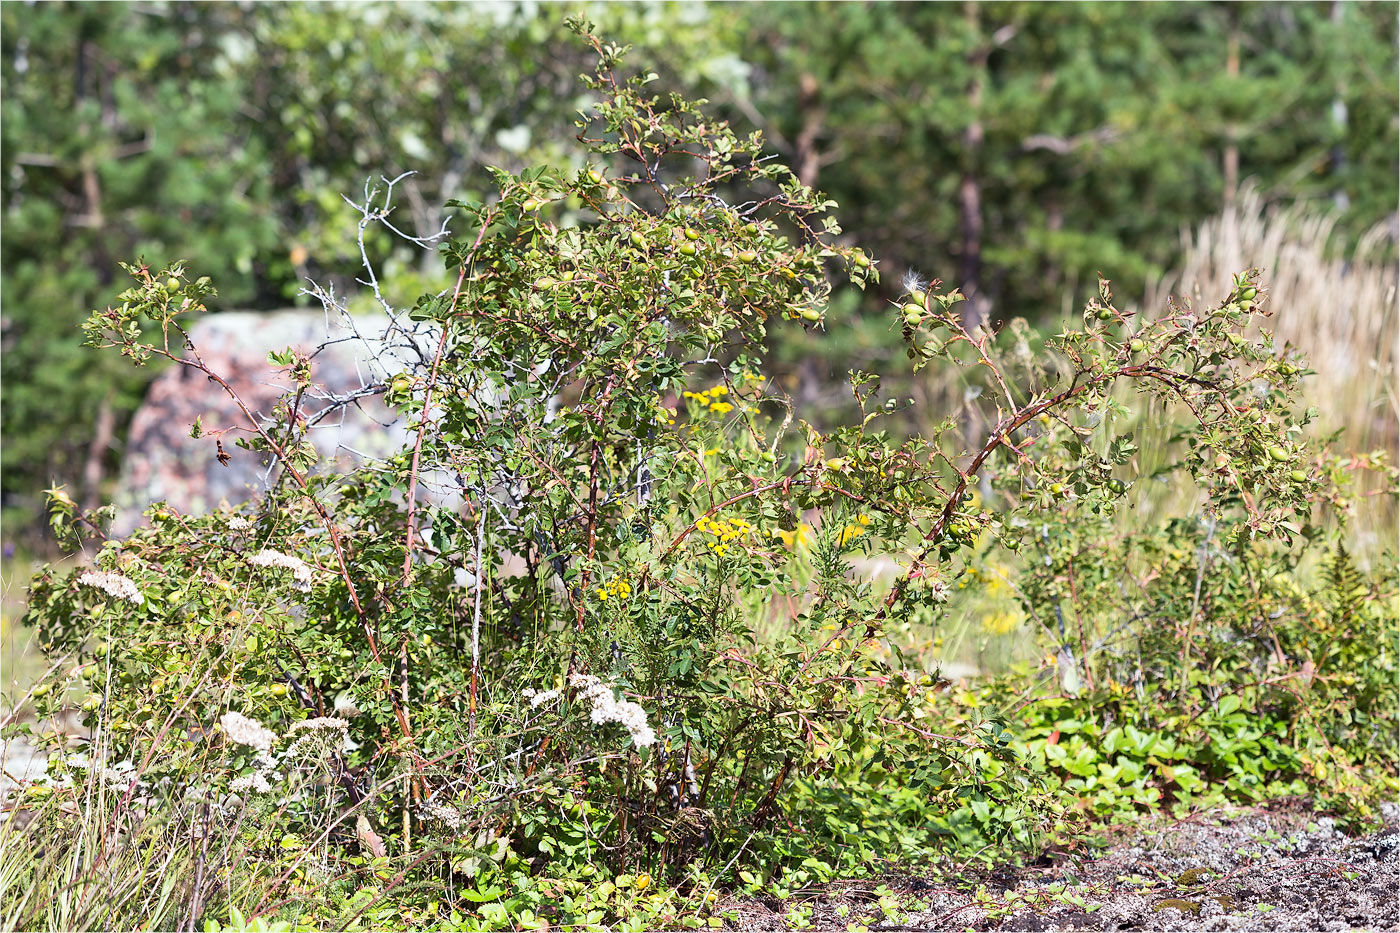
(1269, 868)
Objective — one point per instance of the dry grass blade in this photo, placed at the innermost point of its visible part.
(1339, 307)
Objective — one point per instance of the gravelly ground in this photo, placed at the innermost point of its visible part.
(1260, 869)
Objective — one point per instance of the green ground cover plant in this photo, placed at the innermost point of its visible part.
(554, 691)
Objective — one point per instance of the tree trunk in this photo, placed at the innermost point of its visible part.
(1232, 145)
(806, 158)
(1339, 122)
(974, 309)
(93, 469)
(970, 187)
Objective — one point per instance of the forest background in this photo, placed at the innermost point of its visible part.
(1013, 150)
(1198, 464)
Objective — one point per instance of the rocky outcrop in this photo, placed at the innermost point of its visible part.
(163, 462)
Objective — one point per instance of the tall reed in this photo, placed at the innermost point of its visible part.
(1336, 304)
(1334, 301)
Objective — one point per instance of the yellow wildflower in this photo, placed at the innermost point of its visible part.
(997, 579)
(799, 535)
(616, 587)
(725, 530)
(1001, 623)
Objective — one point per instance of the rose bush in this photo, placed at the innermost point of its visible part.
(602, 613)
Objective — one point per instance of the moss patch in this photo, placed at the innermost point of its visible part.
(1191, 877)
(1188, 908)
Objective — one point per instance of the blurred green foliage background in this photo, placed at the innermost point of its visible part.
(1011, 149)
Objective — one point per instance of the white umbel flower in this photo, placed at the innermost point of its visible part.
(538, 699)
(445, 814)
(239, 728)
(117, 780)
(256, 783)
(239, 523)
(301, 573)
(328, 723)
(317, 737)
(260, 781)
(113, 584)
(607, 708)
(114, 778)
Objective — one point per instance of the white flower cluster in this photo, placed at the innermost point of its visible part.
(239, 728)
(301, 573)
(261, 780)
(111, 777)
(538, 699)
(445, 814)
(329, 723)
(256, 782)
(239, 523)
(117, 780)
(607, 708)
(317, 737)
(314, 738)
(113, 584)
